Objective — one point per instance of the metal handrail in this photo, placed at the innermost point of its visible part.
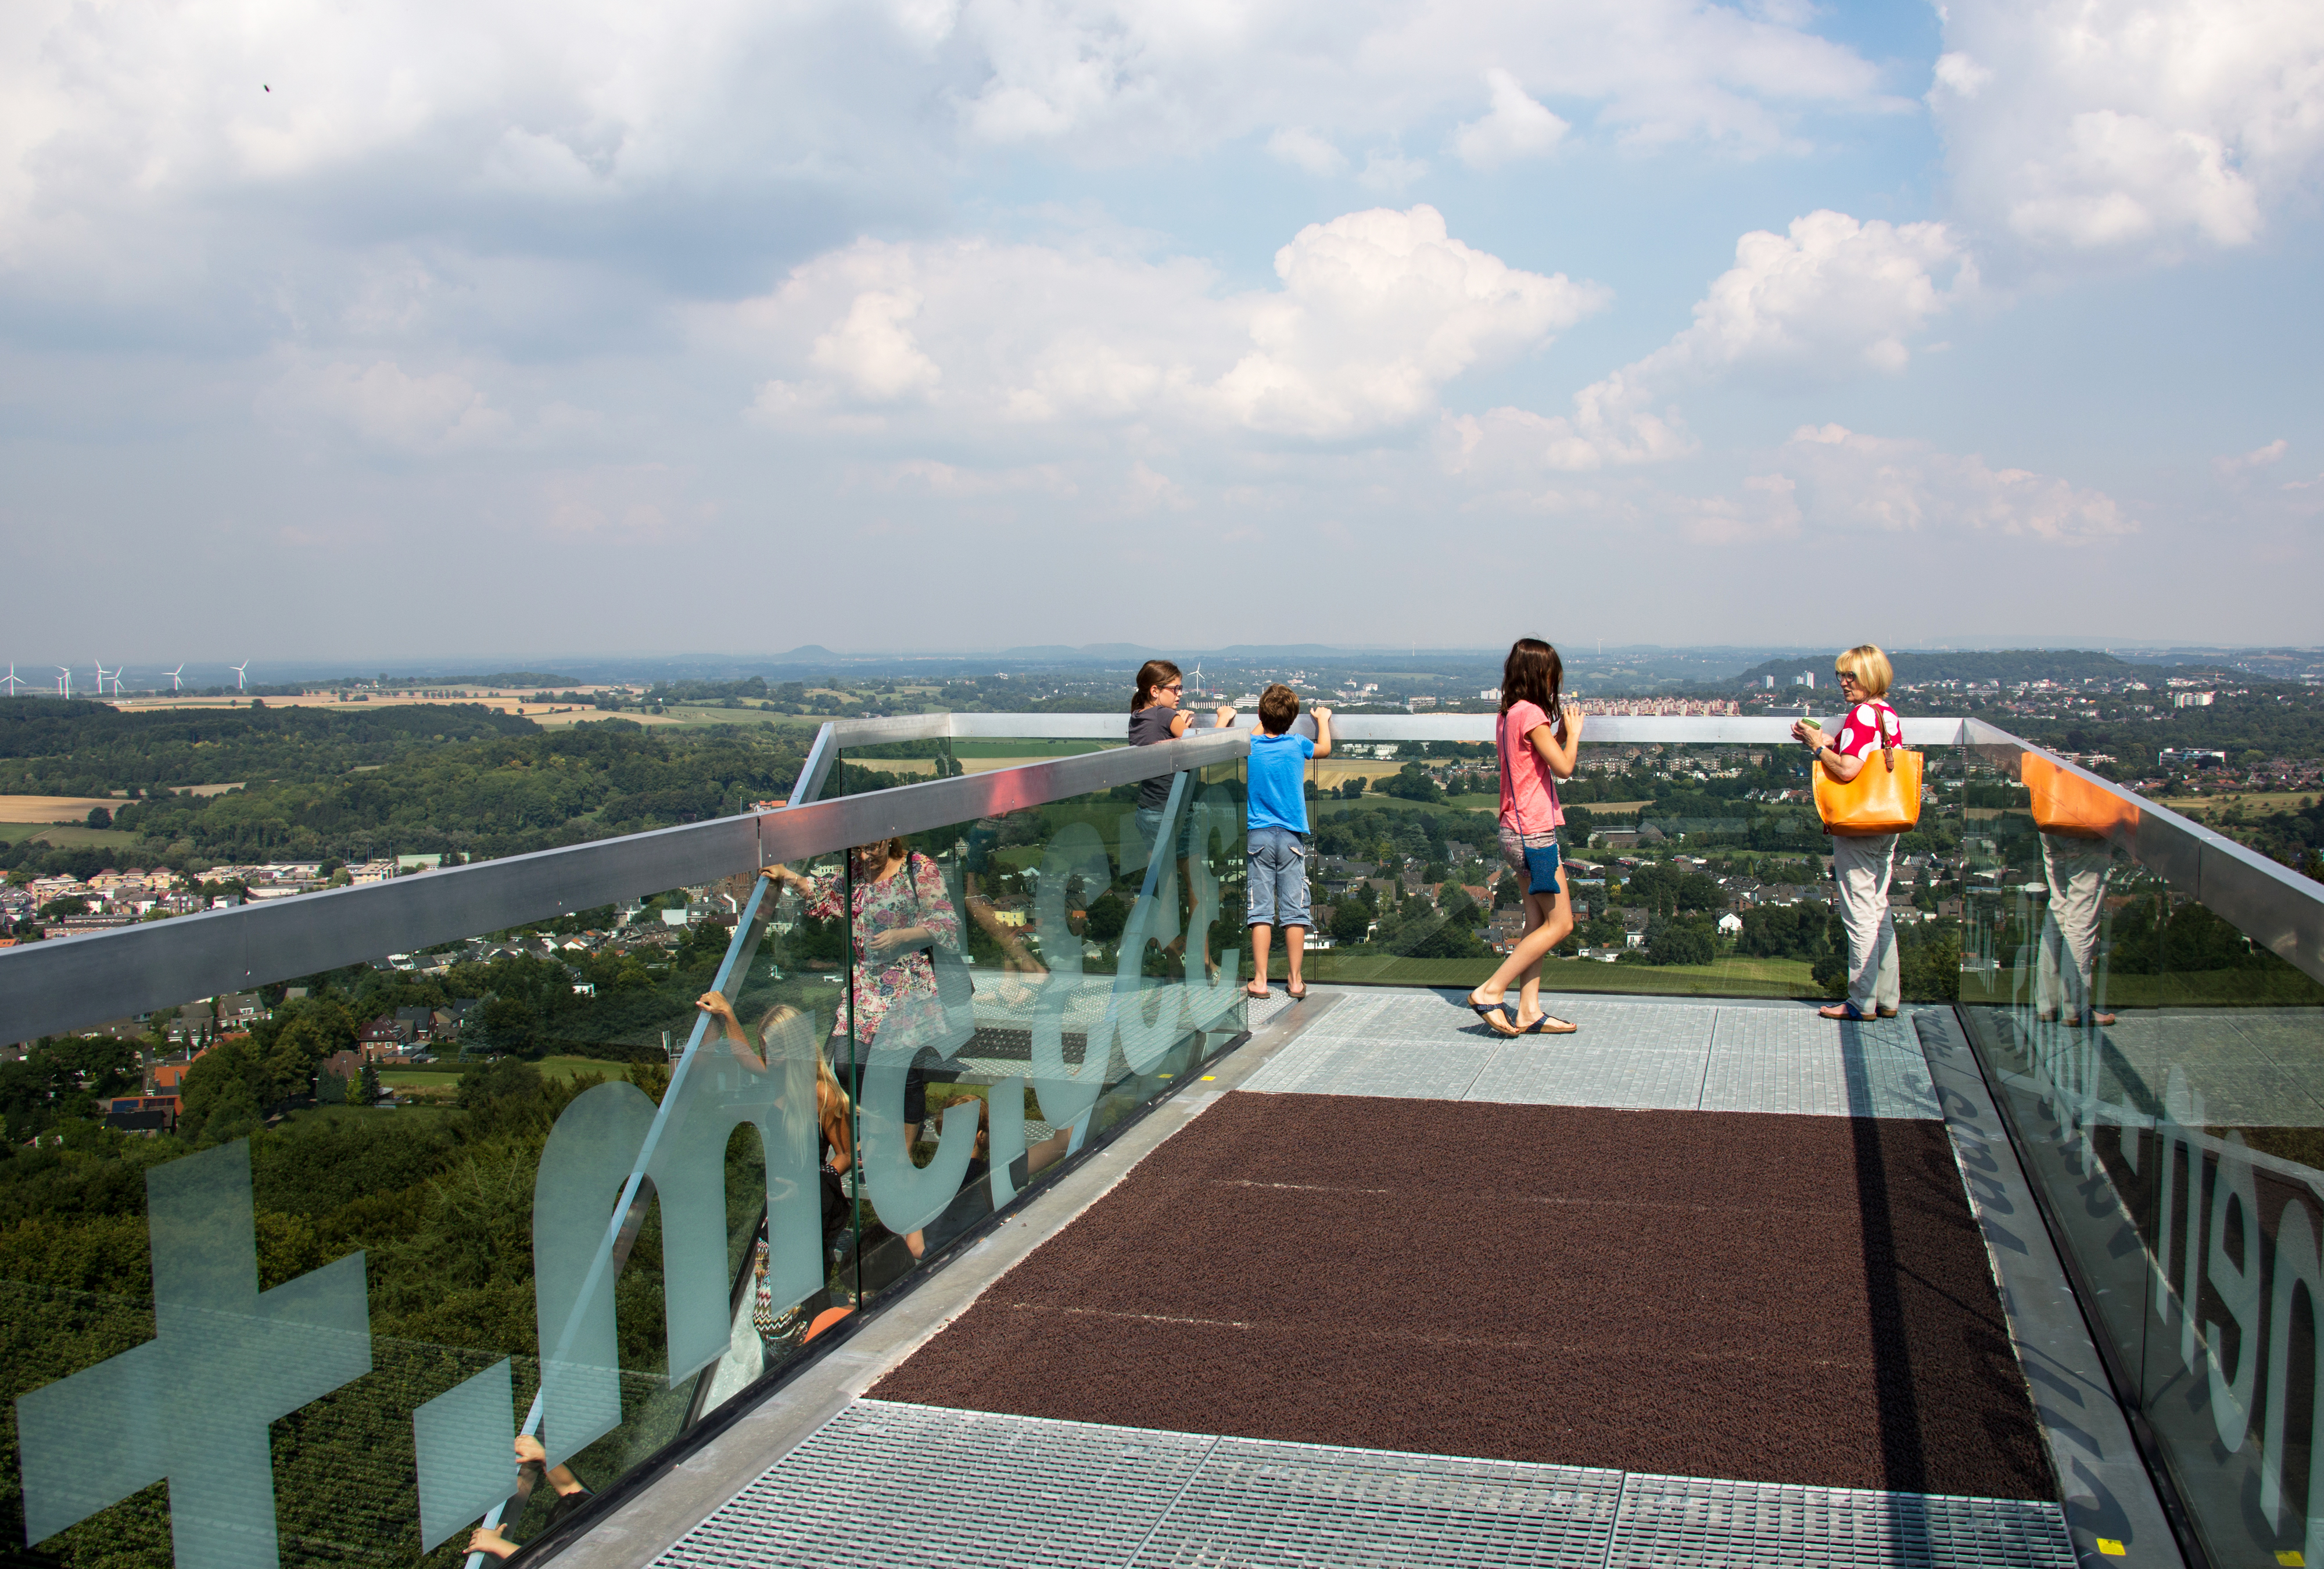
(49, 988)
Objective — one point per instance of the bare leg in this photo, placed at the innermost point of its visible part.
(1554, 920)
(1260, 938)
(1295, 947)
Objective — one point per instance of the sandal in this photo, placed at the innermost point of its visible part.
(1548, 1024)
(1885, 1012)
(1845, 1012)
(1299, 996)
(1255, 996)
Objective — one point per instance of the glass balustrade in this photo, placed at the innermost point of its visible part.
(581, 1183)
(1683, 875)
(595, 1180)
(2164, 1073)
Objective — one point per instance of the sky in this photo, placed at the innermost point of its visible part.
(500, 327)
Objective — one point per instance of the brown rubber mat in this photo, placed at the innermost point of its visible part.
(1769, 1299)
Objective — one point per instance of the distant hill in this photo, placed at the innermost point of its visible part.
(1915, 666)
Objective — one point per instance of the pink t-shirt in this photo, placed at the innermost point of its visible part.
(1528, 789)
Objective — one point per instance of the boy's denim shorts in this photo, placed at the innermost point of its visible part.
(1536, 855)
(1276, 859)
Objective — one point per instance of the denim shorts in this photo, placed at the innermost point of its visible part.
(1149, 827)
(1536, 855)
(1276, 859)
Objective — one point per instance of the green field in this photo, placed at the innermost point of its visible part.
(444, 1075)
(67, 836)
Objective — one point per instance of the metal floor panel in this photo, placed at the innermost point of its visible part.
(1652, 1056)
(1261, 1504)
(1767, 1060)
(1559, 1070)
(885, 1485)
(1422, 1070)
(891, 1483)
(1682, 1522)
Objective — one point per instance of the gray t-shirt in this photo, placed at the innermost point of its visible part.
(1147, 726)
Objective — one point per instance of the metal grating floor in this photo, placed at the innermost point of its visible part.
(1684, 1520)
(889, 1484)
(1655, 1056)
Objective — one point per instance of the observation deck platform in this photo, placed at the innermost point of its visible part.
(1708, 1282)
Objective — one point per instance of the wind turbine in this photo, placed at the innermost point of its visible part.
(12, 682)
(64, 682)
(238, 670)
(174, 682)
(101, 677)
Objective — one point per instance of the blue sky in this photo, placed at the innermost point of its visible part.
(494, 327)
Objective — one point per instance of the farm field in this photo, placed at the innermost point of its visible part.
(52, 808)
(2261, 802)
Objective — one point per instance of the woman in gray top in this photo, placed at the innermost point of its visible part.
(1155, 717)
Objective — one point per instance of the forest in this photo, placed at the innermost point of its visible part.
(504, 792)
(52, 747)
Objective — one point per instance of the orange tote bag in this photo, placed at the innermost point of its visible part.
(1880, 800)
(2067, 805)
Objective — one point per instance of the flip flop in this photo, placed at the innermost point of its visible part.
(1485, 1011)
(1299, 996)
(1255, 996)
(1843, 1013)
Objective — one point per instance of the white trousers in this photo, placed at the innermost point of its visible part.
(1860, 864)
(2076, 872)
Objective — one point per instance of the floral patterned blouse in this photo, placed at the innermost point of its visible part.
(912, 895)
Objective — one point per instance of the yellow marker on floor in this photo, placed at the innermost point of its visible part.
(2290, 1556)
(1208, 1077)
(2112, 1548)
(1166, 1076)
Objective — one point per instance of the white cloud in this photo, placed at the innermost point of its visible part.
(1849, 481)
(1832, 299)
(390, 409)
(1106, 77)
(873, 353)
(1378, 311)
(1391, 173)
(500, 121)
(1303, 149)
(2145, 126)
(2258, 457)
(1516, 127)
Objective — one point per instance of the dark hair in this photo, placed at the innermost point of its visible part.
(1533, 673)
(1153, 673)
(1278, 705)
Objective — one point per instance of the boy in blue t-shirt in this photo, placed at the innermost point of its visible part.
(1277, 849)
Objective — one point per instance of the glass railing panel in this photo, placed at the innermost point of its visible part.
(2167, 1076)
(1024, 983)
(297, 1252)
(1697, 869)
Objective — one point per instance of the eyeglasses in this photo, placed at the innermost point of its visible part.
(1847, 676)
(1171, 687)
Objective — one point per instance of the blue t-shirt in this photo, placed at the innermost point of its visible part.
(1278, 777)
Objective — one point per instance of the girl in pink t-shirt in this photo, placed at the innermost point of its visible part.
(1539, 737)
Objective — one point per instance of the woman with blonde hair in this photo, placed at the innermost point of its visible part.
(1861, 864)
